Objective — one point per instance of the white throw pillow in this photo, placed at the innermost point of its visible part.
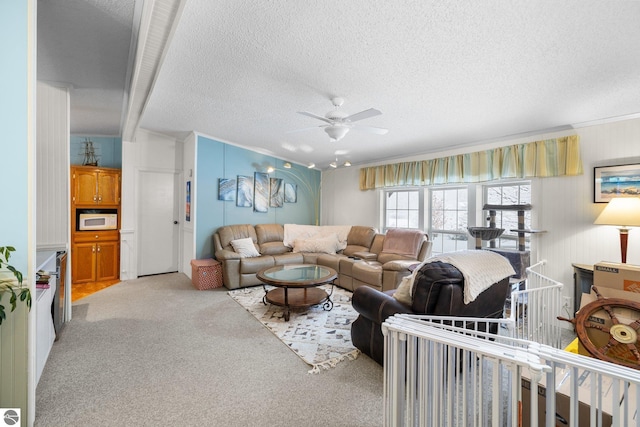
(245, 248)
(327, 244)
(403, 292)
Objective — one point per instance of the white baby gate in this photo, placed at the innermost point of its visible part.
(534, 309)
(447, 371)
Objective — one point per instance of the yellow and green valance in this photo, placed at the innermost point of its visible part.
(549, 157)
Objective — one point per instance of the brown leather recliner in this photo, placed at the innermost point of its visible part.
(438, 291)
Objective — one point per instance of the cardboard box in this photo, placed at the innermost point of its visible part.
(586, 381)
(563, 411)
(614, 275)
(601, 317)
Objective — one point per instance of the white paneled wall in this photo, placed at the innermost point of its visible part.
(563, 206)
(148, 152)
(52, 172)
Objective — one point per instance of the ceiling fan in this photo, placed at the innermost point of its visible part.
(339, 123)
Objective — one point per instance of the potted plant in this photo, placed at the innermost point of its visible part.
(11, 282)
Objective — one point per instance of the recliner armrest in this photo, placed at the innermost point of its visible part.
(400, 265)
(375, 305)
(367, 256)
(225, 254)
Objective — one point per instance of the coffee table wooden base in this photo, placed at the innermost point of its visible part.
(298, 298)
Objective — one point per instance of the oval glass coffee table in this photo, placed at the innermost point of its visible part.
(297, 286)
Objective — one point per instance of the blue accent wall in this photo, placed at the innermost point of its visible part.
(108, 150)
(16, 173)
(217, 160)
(13, 109)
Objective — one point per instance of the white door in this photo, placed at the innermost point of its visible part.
(158, 222)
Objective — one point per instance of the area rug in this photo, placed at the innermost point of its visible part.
(320, 338)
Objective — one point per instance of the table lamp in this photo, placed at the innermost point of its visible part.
(623, 212)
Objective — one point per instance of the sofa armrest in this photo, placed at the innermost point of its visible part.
(375, 305)
(225, 254)
(400, 265)
(367, 256)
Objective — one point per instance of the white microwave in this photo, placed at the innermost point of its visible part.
(98, 221)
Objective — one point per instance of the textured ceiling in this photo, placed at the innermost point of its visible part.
(85, 44)
(443, 74)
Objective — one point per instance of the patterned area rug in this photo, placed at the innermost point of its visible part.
(321, 338)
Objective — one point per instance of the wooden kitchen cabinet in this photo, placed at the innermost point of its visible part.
(93, 186)
(95, 262)
(95, 255)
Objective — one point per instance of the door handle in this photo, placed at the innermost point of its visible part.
(175, 222)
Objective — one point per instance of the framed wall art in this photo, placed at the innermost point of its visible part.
(226, 189)
(244, 195)
(276, 192)
(260, 192)
(616, 181)
(290, 193)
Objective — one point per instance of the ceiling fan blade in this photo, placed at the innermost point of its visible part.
(371, 112)
(304, 129)
(315, 116)
(371, 129)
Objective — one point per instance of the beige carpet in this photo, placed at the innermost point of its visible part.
(157, 352)
(322, 338)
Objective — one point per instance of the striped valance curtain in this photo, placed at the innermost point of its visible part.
(550, 157)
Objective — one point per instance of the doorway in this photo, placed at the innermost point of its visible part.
(158, 214)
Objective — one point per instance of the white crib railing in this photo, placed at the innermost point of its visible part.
(445, 371)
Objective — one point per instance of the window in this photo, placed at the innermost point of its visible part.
(402, 209)
(449, 219)
(518, 193)
(451, 209)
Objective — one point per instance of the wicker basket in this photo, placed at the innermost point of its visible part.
(206, 273)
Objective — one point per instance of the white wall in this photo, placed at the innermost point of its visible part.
(188, 231)
(149, 152)
(52, 172)
(562, 206)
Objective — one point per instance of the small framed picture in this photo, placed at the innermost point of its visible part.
(616, 181)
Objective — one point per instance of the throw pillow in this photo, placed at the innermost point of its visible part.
(245, 248)
(328, 244)
(403, 292)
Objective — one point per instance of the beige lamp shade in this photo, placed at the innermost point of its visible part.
(621, 211)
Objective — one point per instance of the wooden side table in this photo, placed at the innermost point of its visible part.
(582, 283)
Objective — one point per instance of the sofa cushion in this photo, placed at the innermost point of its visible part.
(368, 272)
(328, 245)
(360, 239)
(288, 258)
(403, 241)
(253, 265)
(273, 248)
(267, 233)
(330, 260)
(234, 232)
(245, 247)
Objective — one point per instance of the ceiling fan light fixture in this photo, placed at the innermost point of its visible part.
(347, 163)
(286, 165)
(333, 164)
(311, 165)
(270, 169)
(336, 133)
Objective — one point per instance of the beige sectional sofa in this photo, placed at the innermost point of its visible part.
(365, 260)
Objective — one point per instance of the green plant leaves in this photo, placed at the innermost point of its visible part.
(24, 294)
